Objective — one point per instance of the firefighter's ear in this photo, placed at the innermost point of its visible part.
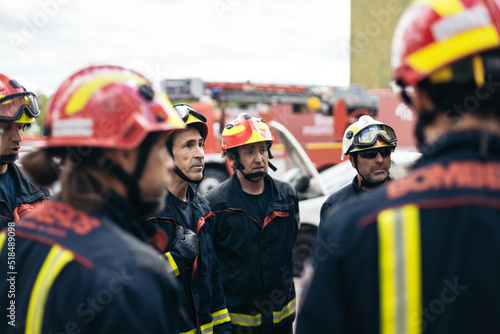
(351, 159)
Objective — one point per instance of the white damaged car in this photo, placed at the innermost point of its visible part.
(314, 187)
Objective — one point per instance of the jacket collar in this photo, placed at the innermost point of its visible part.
(122, 213)
(358, 189)
(234, 195)
(27, 192)
(470, 144)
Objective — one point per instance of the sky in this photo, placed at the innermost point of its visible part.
(261, 41)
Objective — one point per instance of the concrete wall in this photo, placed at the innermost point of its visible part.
(372, 26)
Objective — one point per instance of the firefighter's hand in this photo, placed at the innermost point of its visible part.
(188, 240)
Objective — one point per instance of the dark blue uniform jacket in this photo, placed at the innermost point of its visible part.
(420, 255)
(256, 258)
(71, 272)
(28, 197)
(201, 284)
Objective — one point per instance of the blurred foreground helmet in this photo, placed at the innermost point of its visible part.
(16, 104)
(107, 107)
(367, 134)
(431, 35)
(192, 118)
(245, 130)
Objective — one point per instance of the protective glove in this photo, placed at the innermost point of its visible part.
(187, 242)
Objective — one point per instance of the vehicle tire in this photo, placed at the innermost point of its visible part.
(213, 177)
(303, 250)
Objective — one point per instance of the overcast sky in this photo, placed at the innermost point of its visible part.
(264, 41)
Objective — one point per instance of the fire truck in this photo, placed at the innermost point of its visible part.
(316, 115)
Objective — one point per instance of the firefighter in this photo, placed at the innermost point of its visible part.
(81, 263)
(257, 219)
(188, 220)
(18, 109)
(369, 144)
(422, 253)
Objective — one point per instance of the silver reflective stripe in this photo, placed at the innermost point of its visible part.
(207, 329)
(246, 320)
(288, 310)
(220, 317)
(400, 270)
(171, 265)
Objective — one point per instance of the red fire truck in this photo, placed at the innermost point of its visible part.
(316, 116)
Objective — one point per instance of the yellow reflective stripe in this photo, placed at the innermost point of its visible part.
(478, 66)
(443, 7)
(193, 331)
(387, 264)
(288, 310)
(400, 273)
(221, 317)
(435, 55)
(52, 266)
(443, 75)
(82, 95)
(207, 328)
(413, 272)
(3, 237)
(245, 319)
(172, 266)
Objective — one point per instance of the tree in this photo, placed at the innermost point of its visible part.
(37, 128)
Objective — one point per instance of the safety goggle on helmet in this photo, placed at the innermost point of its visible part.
(16, 104)
(192, 118)
(366, 134)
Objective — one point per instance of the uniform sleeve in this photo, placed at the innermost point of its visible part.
(323, 307)
(220, 314)
(325, 207)
(112, 301)
(179, 260)
(297, 211)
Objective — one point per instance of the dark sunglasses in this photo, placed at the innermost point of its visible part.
(372, 154)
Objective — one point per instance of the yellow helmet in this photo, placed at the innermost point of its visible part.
(367, 134)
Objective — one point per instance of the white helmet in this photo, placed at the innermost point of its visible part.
(364, 135)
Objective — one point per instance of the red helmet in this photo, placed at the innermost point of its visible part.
(109, 107)
(245, 130)
(433, 34)
(16, 104)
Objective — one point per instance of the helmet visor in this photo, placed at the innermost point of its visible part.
(14, 105)
(368, 136)
(184, 110)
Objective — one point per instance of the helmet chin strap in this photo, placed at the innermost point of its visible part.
(364, 182)
(238, 165)
(185, 178)
(7, 158)
(179, 173)
(144, 205)
(370, 185)
(425, 118)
